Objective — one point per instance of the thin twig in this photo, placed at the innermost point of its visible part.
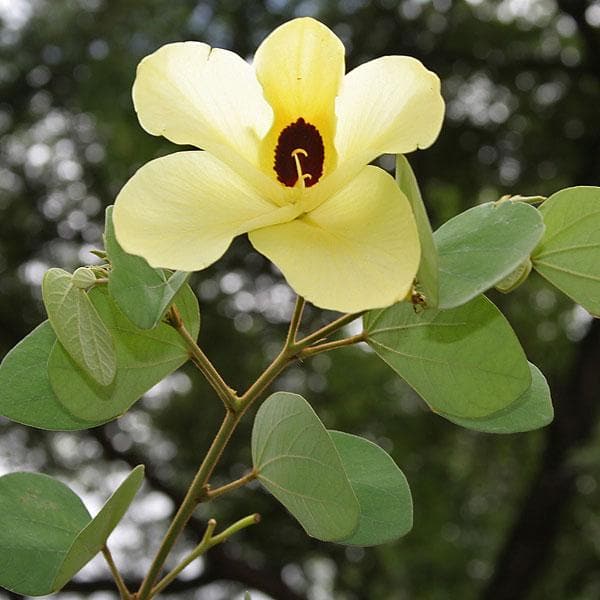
(236, 406)
(233, 485)
(330, 328)
(208, 541)
(123, 591)
(227, 395)
(295, 321)
(326, 347)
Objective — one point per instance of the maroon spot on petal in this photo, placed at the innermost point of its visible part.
(304, 136)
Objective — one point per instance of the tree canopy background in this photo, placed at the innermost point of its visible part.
(495, 517)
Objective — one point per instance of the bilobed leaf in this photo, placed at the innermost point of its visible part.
(483, 245)
(92, 538)
(46, 533)
(569, 254)
(39, 520)
(144, 357)
(83, 278)
(78, 326)
(427, 275)
(466, 361)
(386, 510)
(532, 410)
(26, 395)
(141, 292)
(298, 463)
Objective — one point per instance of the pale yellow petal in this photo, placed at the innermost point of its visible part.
(358, 250)
(392, 105)
(300, 66)
(193, 94)
(183, 210)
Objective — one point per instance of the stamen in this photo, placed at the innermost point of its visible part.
(301, 176)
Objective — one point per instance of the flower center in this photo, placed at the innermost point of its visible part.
(299, 154)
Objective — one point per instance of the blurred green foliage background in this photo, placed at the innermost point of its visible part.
(495, 517)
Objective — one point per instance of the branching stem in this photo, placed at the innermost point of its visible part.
(208, 541)
(326, 347)
(235, 406)
(196, 493)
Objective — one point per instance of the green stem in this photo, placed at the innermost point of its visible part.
(236, 407)
(330, 328)
(295, 321)
(123, 591)
(349, 341)
(290, 352)
(195, 494)
(237, 526)
(227, 395)
(282, 360)
(234, 485)
(208, 541)
(228, 399)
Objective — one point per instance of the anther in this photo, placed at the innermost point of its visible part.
(302, 177)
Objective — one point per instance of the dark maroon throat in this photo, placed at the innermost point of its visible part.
(299, 149)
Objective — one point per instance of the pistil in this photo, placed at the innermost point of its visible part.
(301, 176)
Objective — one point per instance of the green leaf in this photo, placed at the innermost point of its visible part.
(144, 357)
(513, 280)
(532, 410)
(569, 254)
(386, 510)
(26, 395)
(46, 533)
(427, 275)
(39, 520)
(298, 463)
(78, 326)
(482, 246)
(141, 292)
(466, 361)
(83, 278)
(91, 539)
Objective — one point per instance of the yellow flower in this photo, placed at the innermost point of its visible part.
(287, 144)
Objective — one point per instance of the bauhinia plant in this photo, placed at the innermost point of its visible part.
(287, 145)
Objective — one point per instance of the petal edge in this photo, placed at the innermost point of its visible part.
(183, 210)
(358, 250)
(207, 97)
(390, 105)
